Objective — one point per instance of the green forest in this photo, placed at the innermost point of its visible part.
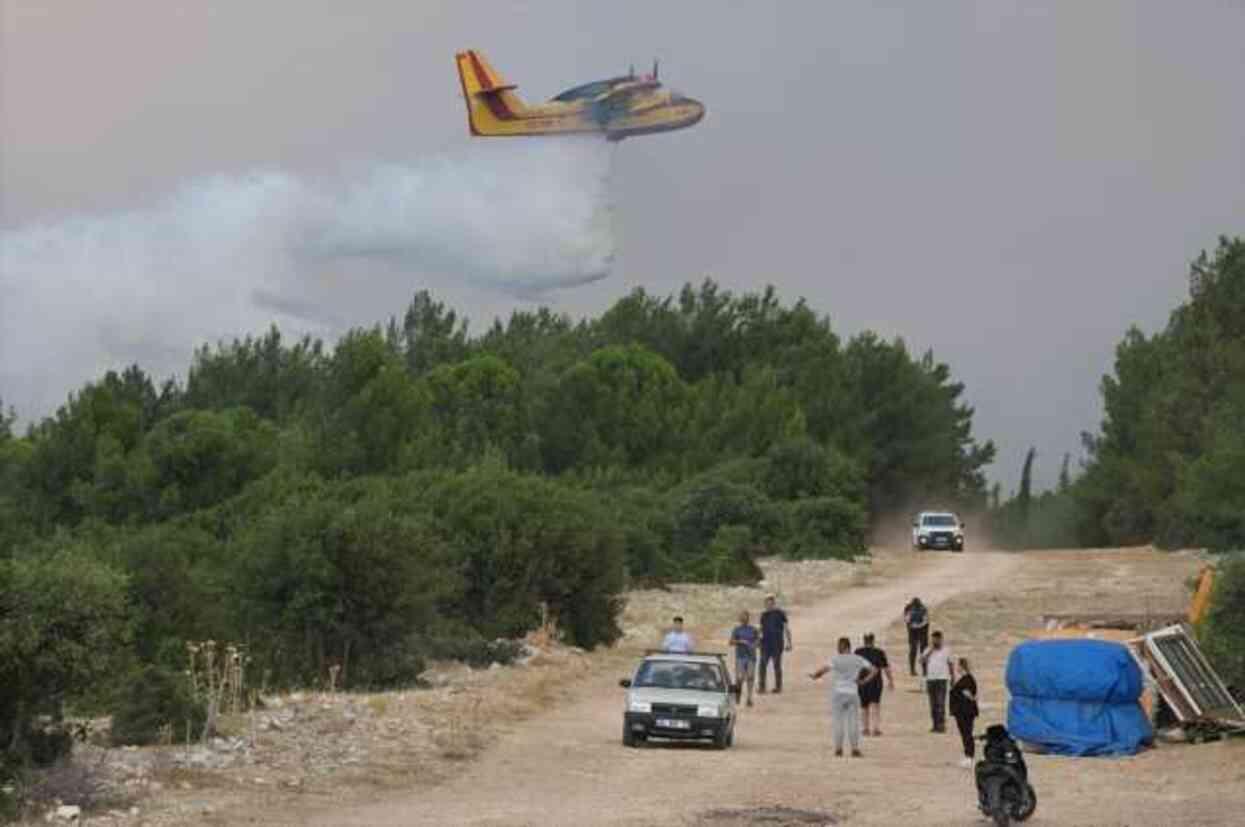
(416, 491)
(1167, 464)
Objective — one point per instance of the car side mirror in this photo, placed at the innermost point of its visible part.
(737, 691)
(963, 526)
(625, 683)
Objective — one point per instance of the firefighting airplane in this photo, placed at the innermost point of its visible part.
(617, 108)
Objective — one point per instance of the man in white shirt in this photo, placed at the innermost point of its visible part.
(677, 641)
(939, 668)
(848, 672)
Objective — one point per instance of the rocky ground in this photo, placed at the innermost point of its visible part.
(311, 744)
(535, 743)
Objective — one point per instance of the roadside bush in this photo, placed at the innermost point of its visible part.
(527, 544)
(474, 650)
(728, 559)
(704, 507)
(62, 628)
(826, 527)
(801, 468)
(339, 577)
(1223, 630)
(152, 700)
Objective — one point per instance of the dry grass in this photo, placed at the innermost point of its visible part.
(460, 735)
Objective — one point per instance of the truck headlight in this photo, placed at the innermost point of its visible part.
(708, 711)
(640, 706)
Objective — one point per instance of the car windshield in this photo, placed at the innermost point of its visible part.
(940, 520)
(665, 674)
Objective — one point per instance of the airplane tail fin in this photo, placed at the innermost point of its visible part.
(491, 102)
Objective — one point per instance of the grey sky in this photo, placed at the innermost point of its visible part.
(1011, 184)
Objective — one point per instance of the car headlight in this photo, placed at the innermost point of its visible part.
(640, 706)
(709, 711)
(923, 537)
(959, 538)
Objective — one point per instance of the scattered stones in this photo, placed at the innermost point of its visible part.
(66, 812)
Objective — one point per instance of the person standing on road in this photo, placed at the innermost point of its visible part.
(964, 709)
(939, 671)
(745, 638)
(775, 637)
(677, 641)
(916, 618)
(871, 692)
(849, 672)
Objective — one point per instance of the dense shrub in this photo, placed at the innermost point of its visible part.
(340, 576)
(410, 492)
(63, 625)
(827, 527)
(155, 702)
(1223, 630)
(705, 506)
(525, 542)
(727, 558)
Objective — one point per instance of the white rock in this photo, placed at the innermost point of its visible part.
(68, 812)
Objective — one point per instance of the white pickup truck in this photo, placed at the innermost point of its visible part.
(937, 529)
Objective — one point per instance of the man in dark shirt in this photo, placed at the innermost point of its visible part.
(916, 618)
(775, 632)
(871, 691)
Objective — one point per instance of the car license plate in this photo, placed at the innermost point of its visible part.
(673, 723)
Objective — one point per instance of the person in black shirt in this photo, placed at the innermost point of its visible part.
(916, 618)
(871, 691)
(964, 709)
(775, 632)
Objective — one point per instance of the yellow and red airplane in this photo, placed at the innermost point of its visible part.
(617, 108)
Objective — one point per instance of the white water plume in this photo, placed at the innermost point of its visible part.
(228, 255)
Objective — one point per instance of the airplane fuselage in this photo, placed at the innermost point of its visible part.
(617, 108)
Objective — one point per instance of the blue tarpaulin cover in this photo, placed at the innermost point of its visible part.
(1077, 697)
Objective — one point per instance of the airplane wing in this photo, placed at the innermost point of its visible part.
(619, 99)
(628, 89)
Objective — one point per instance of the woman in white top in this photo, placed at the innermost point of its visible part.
(849, 671)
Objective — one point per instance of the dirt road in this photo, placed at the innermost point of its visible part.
(567, 766)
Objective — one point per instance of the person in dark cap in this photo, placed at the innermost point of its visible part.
(916, 618)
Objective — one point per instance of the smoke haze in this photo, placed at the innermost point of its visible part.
(1009, 183)
(227, 255)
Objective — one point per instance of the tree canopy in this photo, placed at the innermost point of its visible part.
(411, 490)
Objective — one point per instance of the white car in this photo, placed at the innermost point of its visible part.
(937, 529)
(680, 697)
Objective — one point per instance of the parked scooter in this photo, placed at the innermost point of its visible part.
(1003, 789)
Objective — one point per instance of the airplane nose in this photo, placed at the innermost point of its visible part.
(697, 111)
